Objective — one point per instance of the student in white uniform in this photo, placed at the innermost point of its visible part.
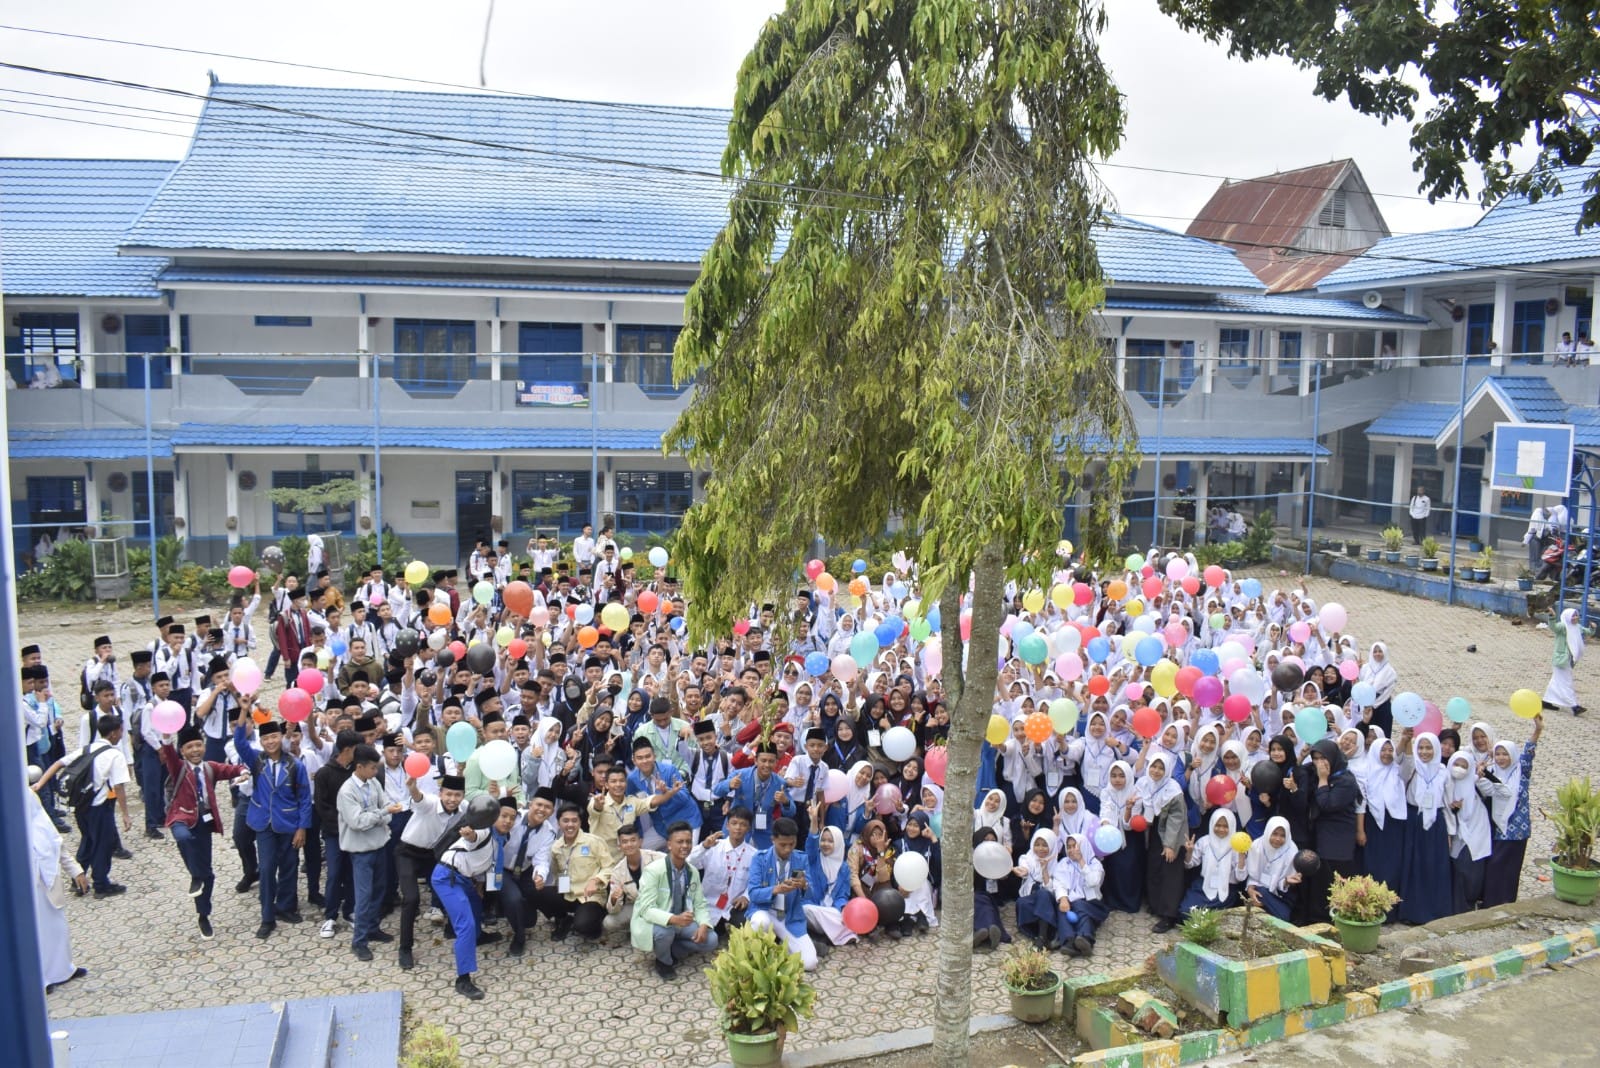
(724, 863)
(50, 869)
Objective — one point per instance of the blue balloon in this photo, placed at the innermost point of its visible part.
(678, 623)
(859, 567)
(1409, 709)
(1310, 724)
(933, 618)
(887, 633)
(1072, 917)
(897, 591)
(816, 664)
(1108, 839)
(1364, 694)
(897, 623)
(1099, 649)
(1206, 661)
(338, 646)
(461, 740)
(863, 647)
(1020, 630)
(1250, 587)
(1148, 651)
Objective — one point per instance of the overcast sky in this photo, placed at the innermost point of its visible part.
(1189, 107)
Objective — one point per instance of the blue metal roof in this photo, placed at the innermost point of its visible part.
(1287, 307)
(1193, 446)
(60, 223)
(1586, 425)
(1415, 420)
(119, 444)
(1514, 232)
(1531, 399)
(452, 438)
(1137, 253)
(247, 276)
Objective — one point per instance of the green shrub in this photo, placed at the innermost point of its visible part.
(365, 558)
(296, 551)
(243, 554)
(68, 575)
(1202, 927)
(431, 1046)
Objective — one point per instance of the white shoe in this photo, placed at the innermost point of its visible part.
(435, 916)
(329, 927)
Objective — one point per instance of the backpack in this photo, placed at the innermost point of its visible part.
(451, 835)
(85, 698)
(77, 781)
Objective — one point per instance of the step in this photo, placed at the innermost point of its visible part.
(308, 1034)
(223, 1036)
(366, 1032)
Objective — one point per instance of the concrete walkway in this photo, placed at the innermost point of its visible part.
(1548, 1018)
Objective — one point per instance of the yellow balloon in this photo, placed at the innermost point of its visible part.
(1525, 703)
(1063, 549)
(1061, 595)
(1241, 842)
(1134, 608)
(1164, 677)
(911, 609)
(416, 572)
(999, 730)
(615, 617)
(1033, 600)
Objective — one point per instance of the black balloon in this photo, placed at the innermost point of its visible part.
(482, 811)
(891, 906)
(1286, 677)
(444, 658)
(1265, 777)
(1306, 862)
(480, 658)
(406, 642)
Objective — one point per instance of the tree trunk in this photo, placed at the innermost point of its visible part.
(973, 706)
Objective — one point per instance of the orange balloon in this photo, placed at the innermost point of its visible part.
(518, 597)
(827, 583)
(858, 587)
(1038, 727)
(1117, 590)
(439, 614)
(260, 715)
(587, 637)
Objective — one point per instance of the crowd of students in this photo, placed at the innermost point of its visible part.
(543, 743)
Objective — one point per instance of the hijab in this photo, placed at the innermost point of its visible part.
(1154, 796)
(1080, 822)
(1429, 782)
(857, 795)
(1385, 790)
(1574, 631)
(1268, 867)
(1072, 874)
(1113, 800)
(982, 817)
(1217, 856)
(1469, 824)
(1511, 784)
(832, 862)
(938, 796)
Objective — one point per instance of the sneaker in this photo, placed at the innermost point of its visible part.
(153, 834)
(362, 952)
(435, 916)
(489, 938)
(406, 962)
(265, 930)
(996, 937)
(822, 947)
(1083, 945)
(110, 890)
(243, 885)
(379, 935)
(292, 916)
(1577, 710)
(517, 948)
(666, 971)
(205, 928)
(317, 900)
(196, 886)
(980, 937)
(467, 988)
(329, 928)
(121, 854)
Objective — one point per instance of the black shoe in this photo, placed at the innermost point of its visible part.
(823, 947)
(922, 922)
(1084, 946)
(121, 854)
(489, 938)
(1578, 710)
(980, 937)
(559, 933)
(153, 834)
(265, 930)
(893, 932)
(205, 928)
(291, 916)
(666, 971)
(517, 948)
(1163, 926)
(406, 963)
(380, 936)
(467, 988)
(197, 886)
(996, 936)
(110, 890)
(362, 952)
(316, 900)
(244, 885)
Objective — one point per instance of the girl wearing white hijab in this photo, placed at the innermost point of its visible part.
(1383, 856)
(1270, 875)
(856, 798)
(1467, 819)
(49, 864)
(1381, 674)
(1078, 876)
(1123, 888)
(1158, 800)
(1036, 901)
(991, 813)
(1425, 879)
(1079, 820)
(1568, 634)
(1504, 788)
(1220, 865)
(828, 884)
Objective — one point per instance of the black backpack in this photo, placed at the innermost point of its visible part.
(77, 781)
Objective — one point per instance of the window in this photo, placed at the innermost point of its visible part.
(48, 333)
(1516, 503)
(1332, 214)
(283, 320)
(1480, 328)
(1229, 480)
(1583, 324)
(1289, 352)
(1144, 362)
(649, 350)
(165, 502)
(564, 363)
(1233, 348)
(435, 355)
(652, 501)
(340, 518)
(573, 485)
(1527, 326)
(57, 499)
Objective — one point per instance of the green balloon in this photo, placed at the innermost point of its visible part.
(1033, 649)
(1219, 621)
(1063, 715)
(1134, 562)
(921, 629)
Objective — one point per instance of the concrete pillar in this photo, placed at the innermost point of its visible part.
(1122, 362)
(180, 500)
(363, 344)
(1411, 340)
(1400, 492)
(1308, 356)
(86, 366)
(231, 498)
(1202, 497)
(91, 497)
(497, 500)
(1208, 364)
(1501, 332)
(175, 343)
(496, 337)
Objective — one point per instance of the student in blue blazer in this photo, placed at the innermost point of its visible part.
(777, 892)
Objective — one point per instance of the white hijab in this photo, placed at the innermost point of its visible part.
(858, 794)
(1385, 791)
(1218, 861)
(1569, 619)
(1113, 800)
(1269, 867)
(1511, 782)
(1154, 796)
(1469, 824)
(832, 862)
(1429, 782)
(982, 817)
(1080, 822)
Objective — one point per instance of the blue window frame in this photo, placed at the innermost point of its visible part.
(150, 333)
(340, 518)
(1583, 324)
(1480, 328)
(283, 320)
(652, 502)
(650, 348)
(434, 355)
(40, 338)
(1289, 342)
(1144, 363)
(1233, 348)
(166, 502)
(574, 485)
(1527, 327)
(557, 350)
(56, 499)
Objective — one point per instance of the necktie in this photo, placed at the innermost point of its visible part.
(811, 780)
(779, 903)
(711, 763)
(201, 805)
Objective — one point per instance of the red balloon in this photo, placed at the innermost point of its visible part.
(813, 569)
(1147, 571)
(417, 765)
(1082, 593)
(459, 648)
(1188, 675)
(517, 649)
(741, 627)
(1138, 823)
(1215, 576)
(1236, 707)
(934, 764)
(860, 915)
(294, 705)
(572, 612)
(1099, 685)
(1221, 790)
(1191, 585)
(966, 626)
(1151, 587)
(310, 680)
(648, 602)
(1146, 722)
(518, 598)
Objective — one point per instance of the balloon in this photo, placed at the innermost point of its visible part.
(741, 627)
(1207, 691)
(1082, 593)
(899, 744)
(1134, 609)
(587, 637)
(1287, 677)
(1236, 707)
(518, 598)
(1311, 725)
(483, 592)
(844, 668)
(1116, 590)
(497, 759)
(826, 582)
(998, 730)
(888, 632)
(1063, 715)
(932, 659)
(1185, 679)
(815, 568)
(1230, 650)
(245, 675)
(910, 871)
(407, 641)
(418, 766)
(1299, 630)
(1408, 708)
(1134, 692)
(1333, 617)
(439, 614)
(480, 658)
(657, 557)
(1214, 576)
(583, 614)
(648, 602)
(1108, 839)
(858, 567)
(1241, 842)
(837, 787)
(1364, 694)
(1033, 600)
(503, 636)
(1151, 588)
(887, 799)
(615, 617)
(1306, 862)
(860, 914)
(540, 616)
(1016, 629)
(1265, 777)
(240, 576)
(1148, 651)
(1037, 727)
(1146, 722)
(1349, 670)
(461, 740)
(1174, 633)
(1099, 649)
(1190, 584)
(863, 647)
(626, 552)
(991, 860)
(816, 664)
(1164, 677)
(1061, 595)
(437, 639)
(966, 626)
(891, 906)
(921, 629)
(294, 704)
(458, 649)
(1033, 649)
(1221, 790)
(324, 659)
(416, 572)
(1099, 685)
(1459, 709)
(482, 812)
(1177, 568)
(1432, 719)
(1525, 703)
(1218, 621)
(168, 717)
(1137, 824)
(338, 646)
(858, 586)
(1134, 562)
(310, 680)
(445, 657)
(1207, 661)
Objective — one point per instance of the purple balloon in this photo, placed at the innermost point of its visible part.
(1207, 691)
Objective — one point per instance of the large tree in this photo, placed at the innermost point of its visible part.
(1499, 70)
(899, 319)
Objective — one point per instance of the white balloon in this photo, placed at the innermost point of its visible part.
(1231, 650)
(1066, 640)
(583, 614)
(497, 759)
(1145, 624)
(899, 743)
(437, 639)
(991, 860)
(911, 871)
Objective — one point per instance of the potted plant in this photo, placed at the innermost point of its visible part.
(1393, 539)
(1359, 905)
(1524, 579)
(1373, 555)
(1574, 872)
(1032, 984)
(1482, 565)
(1430, 553)
(762, 991)
(1352, 549)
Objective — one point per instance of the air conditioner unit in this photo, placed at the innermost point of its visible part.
(1372, 298)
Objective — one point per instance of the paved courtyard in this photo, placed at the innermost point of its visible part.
(145, 953)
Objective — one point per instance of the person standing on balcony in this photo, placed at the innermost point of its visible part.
(1420, 507)
(1567, 350)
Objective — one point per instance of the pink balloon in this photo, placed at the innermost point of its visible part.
(295, 704)
(1007, 624)
(1069, 667)
(1236, 707)
(1334, 617)
(934, 764)
(1432, 720)
(417, 765)
(933, 660)
(1134, 692)
(966, 626)
(1247, 641)
(1177, 568)
(1234, 665)
(245, 675)
(844, 668)
(815, 568)
(1300, 630)
(741, 627)
(1207, 691)
(1296, 661)
(540, 616)
(1175, 634)
(310, 680)
(860, 915)
(1349, 670)
(168, 717)
(887, 799)
(837, 788)
(1215, 576)
(240, 576)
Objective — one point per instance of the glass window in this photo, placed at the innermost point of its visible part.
(652, 501)
(165, 501)
(1233, 348)
(341, 518)
(435, 355)
(1289, 352)
(573, 485)
(1144, 367)
(46, 333)
(649, 350)
(1480, 328)
(1527, 326)
(57, 499)
(283, 320)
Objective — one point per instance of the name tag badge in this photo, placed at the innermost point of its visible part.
(491, 881)
(205, 813)
(761, 821)
(564, 884)
(875, 738)
(627, 812)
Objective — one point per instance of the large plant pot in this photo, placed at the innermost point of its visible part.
(1373, 554)
(1525, 585)
(1358, 936)
(1391, 558)
(1352, 551)
(1480, 574)
(1573, 885)
(1412, 559)
(1034, 1006)
(1430, 564)
(755, 1051)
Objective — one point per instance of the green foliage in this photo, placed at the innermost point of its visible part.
(1228, 554)
(1257, 541)
(169, 555)
(68, 575)
(1361, 898)
(296, 552)
(1577, 820)
(1500, 71)
(1485, 560)
(1393, 538)
(1202, 927)
(1027, 968)
(879, 555)
(1430, 547)
(431, 1046)
(243, 554)
(334, 492)
(365, 558)
(758, 984)
(544, 511)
